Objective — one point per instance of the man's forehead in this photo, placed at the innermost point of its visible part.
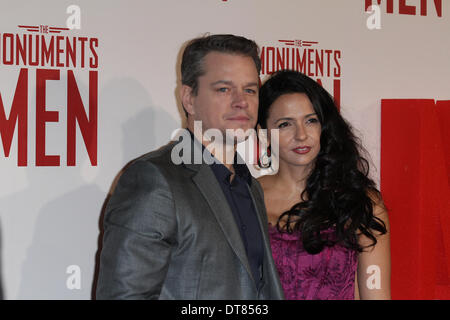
(219, 54)
(211, 58)
(218, 63)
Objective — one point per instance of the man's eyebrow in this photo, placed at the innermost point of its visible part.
(227, 82)
(230, 83)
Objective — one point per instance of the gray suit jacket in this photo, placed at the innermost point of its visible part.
(169, 233)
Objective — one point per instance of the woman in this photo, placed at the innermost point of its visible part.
(328, 226)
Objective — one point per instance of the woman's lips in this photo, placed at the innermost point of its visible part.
(302, 150)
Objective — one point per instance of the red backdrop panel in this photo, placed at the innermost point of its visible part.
(443, 259)
(415, 188)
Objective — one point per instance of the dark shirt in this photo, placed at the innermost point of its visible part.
(238, 196)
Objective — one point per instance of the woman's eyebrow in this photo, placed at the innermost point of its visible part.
(284, 118)
(290, 118)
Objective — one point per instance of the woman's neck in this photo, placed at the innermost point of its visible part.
(291, 178)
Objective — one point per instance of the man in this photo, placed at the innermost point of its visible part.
(189, 230)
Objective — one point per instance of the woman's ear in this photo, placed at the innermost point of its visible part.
(187, 99)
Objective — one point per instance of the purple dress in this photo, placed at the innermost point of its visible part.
(328, 275)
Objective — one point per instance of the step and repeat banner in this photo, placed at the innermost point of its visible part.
(87, 86)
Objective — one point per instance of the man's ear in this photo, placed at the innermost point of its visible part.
(187, 99)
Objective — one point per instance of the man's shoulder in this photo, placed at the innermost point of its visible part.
(156, 163)
(160, 156)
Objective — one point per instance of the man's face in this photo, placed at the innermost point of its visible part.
(227, 96)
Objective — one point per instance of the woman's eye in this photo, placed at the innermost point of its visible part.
(312, 120)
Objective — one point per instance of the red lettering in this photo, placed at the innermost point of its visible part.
(280, 59)
(47, 53)
(82, 40)
(11, 48)
(43, 116)
(76, 113)
(30, 51)
(301, 61)
(272, 50)
(328, 52)
(337, 93)
(43, 29)
(389, 9)
(263, 61)
(337, 70)
(21, 49)
(287, 58)
(59, 51)
(437, 5)
(319, 82)
(18, 115)
(319, 63)
(310, 62)
(93, 62)
(71, 51)
(423, 7)
(405, 9)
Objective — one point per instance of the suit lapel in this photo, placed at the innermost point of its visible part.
(261, 215)
(258, 202)
(209, 187)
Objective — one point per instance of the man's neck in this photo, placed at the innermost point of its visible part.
(225, 153)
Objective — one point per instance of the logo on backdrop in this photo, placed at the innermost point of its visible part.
(45, 53)
(308, 57)
(411, 8)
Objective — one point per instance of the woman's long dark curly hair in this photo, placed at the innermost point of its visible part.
(338, 192)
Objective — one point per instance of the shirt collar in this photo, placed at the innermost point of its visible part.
(222, 172)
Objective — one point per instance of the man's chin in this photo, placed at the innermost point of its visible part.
(238, 135)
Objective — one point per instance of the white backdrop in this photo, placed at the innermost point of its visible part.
(50, 215)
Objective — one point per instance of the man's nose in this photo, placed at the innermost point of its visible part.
(239, 99)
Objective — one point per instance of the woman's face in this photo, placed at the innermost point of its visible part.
(299, 129)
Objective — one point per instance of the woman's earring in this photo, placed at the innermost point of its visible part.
(265, 160)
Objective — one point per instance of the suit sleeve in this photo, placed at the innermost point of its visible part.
(139, 234)
(259, 196)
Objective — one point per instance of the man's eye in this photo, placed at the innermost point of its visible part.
(251, 91)
(222, 89)
(283, 124)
